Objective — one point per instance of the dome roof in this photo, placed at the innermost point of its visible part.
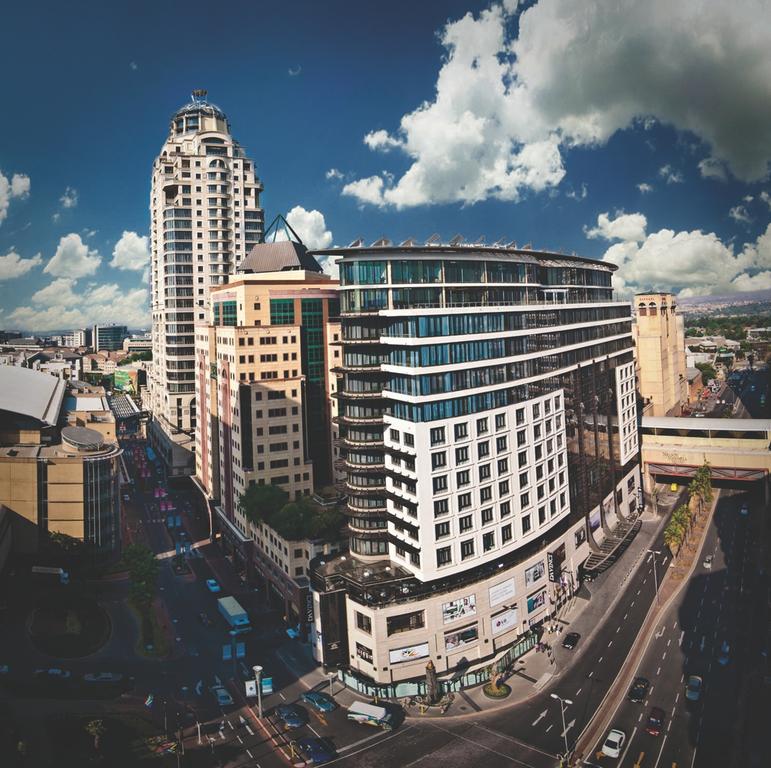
(198, 106)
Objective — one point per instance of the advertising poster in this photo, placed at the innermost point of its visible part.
(580, 536)
(363, 652)
(534, 573)
(504, 621)
(500, 593)
(410, 653)
(594, 521)
(455, 640)
(536, 601)
(459, 609)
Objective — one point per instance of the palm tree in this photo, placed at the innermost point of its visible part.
(673, 536)
(96, 729)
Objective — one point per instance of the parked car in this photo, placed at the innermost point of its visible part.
(707, 563)
(638, 690)
(655, 722)
(744, 510)
(291, 715)
(54, 673)
(571, 640)
(103, 677)
(4, 669)
(724, 656)
(203, 617)
(316, 751)
(224, 699)
(693, 688)
(213, 586)
(614, 743)
(323, 702)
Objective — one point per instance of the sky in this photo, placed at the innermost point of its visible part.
(639, 133)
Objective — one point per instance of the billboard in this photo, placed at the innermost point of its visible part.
(459, 609)
(500, 593)
(410, 653)
(594, 520)
(504, 621)
(580, 536)
(534, 573)
(536, 601)
(465, 636)
(122, 381)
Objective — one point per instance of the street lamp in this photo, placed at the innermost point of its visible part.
(563, 703)
(655, 552)
(258, 678)
(331, 679)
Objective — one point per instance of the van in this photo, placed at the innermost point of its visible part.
(371, 714)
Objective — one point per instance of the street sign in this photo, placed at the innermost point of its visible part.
(267, 685)
(240, 650)
(251, 688)
(227, 652)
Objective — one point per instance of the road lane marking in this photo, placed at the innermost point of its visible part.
(550, 727)
(310, 727)
(251, 732)
(650, 691)
(632, 604)
(663, 741)
(282, 696)
(578, 692)
(658, 671)
(591, 673)
(248, 752)
(618, 629)
(540, 717)
(240, 740)
(599, 661)
(682, 635)
(628, 744)
(361, 741)
(638, 593)
(676, 698)
(610, 643)
(625, 615)
(664, 656)
(669, 641)
(640, 717)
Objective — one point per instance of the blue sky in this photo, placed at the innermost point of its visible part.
(537, 122)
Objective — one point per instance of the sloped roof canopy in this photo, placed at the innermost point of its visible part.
(31, 393)
(278, 256)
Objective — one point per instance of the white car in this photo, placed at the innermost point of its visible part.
(224, 699)
(55, 673)
(103, 677)
(708, 561)
(744, 510)
(614, 743)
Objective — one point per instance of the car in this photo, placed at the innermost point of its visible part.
(103, 677)
(4, 669)
(126, 497)
(638, 690)
(316, 751)
(224, 699)
(571, 640)
(655, 722)
(323, 702)
(213, 585)
(693, 688)
(203, 617)
(707, 563)
(614, 743)
(744, 510)
(291, 716)
(54, 673)
(724, 656)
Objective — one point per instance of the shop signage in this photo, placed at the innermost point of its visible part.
(459, 609)
(410, 653)
(551, 567)
(536, 601)
(504, 621)
(465, 636)
(534, 573)
(500, 593)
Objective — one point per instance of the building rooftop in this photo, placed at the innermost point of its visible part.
(278, 256)
(31, 393)
(678, 423)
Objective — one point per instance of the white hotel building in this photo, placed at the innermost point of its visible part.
(489, 435)
(205, 218)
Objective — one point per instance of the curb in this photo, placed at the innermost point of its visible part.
(652, 617)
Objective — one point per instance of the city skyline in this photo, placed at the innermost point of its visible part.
(452, 135)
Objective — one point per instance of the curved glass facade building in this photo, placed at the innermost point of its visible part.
(489, 436)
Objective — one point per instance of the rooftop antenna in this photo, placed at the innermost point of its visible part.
(457, 240)
(435, 239)
(408, 243)
(500, 243)
(199, 94)
(512, 244)
(278, 224)
(382, 242)
(357, 243)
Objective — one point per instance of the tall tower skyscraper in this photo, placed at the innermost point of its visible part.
(205, 217)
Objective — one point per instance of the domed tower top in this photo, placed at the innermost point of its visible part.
(199, 115)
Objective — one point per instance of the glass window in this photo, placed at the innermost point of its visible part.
(536, 411)
(438, 459)
(442, 529)
(522, 459)
(461, 431)
(526, 525)
(443, 556)
(463, 478)
(466, 523)
(461, 455)
(282, 311)
(466, 549)
(501, 443)
(488, 541)
(541, 515)
(524, 500)
(506, 533)
(503, 466)
(485, 494)
(503, 488)
(505, 508)
(363, 273)
(441, 507)
(464, 501)
(405, 622)
(409, 440)
(482, 426)
(484, 472)
(483, 449)
(500, 420)
(437, 436)
(440, 483)
(364, 623)
(487, 515)
(521, 437)
(393, 434)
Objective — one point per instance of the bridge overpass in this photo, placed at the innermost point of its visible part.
(736, 449)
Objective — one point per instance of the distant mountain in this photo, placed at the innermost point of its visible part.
(745, 297)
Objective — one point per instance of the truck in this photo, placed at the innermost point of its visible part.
(236, 617)
(371, 714)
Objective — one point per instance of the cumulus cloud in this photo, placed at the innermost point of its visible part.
(133, 66)
(504, 110)
(12, 265)
(740, 215)
(73, 258)
(578, 194)
(626, 226)
(709, 168)
(310, 226)
(62, 304)
(17, 187)
(645, 188)
(70, 198)
(131, 252)
(670, 175)
(766, 198)
(691, 263)
(334, 174)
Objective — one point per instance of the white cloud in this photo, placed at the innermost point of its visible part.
(73, 258)
(380, 140)
(17, 187)
(645, 188)
(131, 252)
(61, 304)
(294, 71)
(691, 263)
(89, 233)
(739, 214)
(766, 198)
(310, 226)
(626, 226)
(12, 265)
(333, 173)
(712, 169)
(133, 66)
(670, 175)
(55, 217)
(369, 190)
(578, 194)
(575, 76)
(70, 198)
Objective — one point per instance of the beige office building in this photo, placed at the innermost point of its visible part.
(264, 392)
(205, 217)
(58, 461)
(660, 349)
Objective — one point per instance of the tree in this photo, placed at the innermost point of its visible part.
(96, 729)
(673, 536)
(261, 502)
(143, 574)
(708, 373)
(682, 519)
